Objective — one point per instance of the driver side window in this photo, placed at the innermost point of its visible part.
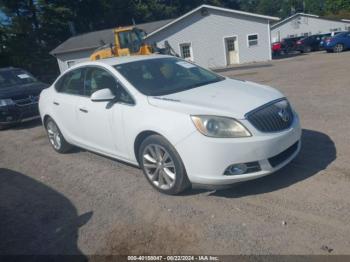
(98, 78)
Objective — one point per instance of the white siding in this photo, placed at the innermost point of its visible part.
(300, 25)
(76, 57)
(206, 35)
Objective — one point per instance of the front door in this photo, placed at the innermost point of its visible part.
(231, 44)
(101, 121)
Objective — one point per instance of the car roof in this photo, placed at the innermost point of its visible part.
(126, 59)
(341, 33)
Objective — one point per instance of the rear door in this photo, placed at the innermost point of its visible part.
(70, 89)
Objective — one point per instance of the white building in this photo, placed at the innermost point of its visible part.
(302, 24)
(210, 36)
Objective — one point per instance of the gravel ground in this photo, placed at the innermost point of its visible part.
(83, 203)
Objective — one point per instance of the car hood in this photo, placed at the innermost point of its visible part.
(233, 98)
(19, 91)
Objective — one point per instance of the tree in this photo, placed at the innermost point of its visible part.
(338, 8)
(34, 27)
(269, 7)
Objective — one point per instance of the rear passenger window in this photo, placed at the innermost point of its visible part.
(72, 83)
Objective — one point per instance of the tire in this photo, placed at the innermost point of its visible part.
(338, 48)
(162, 165)
(56, 139)
(307, 49)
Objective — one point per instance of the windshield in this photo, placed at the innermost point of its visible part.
(15, 77)
(340, 35)
(163, 76)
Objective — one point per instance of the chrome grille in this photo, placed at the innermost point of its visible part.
(26, 101)
(272, 117)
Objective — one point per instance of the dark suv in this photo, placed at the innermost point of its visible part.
(310, 43)
(19, 95)
(289, 44)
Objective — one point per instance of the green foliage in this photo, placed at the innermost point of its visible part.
(269, 7)
(32, 28)
(338, 8)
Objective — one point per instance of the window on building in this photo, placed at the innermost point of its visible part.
(186, 51)
(252, 40)
(292, 36)
(306, 34)
(335, 29)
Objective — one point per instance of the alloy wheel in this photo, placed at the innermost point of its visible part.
(339, 48)
(159, 166)
(54, 135)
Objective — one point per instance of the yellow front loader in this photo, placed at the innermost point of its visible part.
(127, 41)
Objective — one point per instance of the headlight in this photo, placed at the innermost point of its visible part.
(6, 102)
(220, 127)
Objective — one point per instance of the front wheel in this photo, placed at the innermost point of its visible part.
(162, 165)
(338, 48)
(56, 138)
(307, 49)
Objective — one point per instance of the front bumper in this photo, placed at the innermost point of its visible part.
(206, 159)
(16, 113)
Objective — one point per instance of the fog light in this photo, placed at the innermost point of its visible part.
(237, 169)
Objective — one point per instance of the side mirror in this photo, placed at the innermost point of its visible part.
(102, 95)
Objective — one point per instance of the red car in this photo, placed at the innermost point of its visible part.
(276, 49)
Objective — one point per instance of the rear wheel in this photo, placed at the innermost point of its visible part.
(307, 49)
(56, 138)
(162, 165)
(338, 48)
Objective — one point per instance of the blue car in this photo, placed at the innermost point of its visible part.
(338, 43)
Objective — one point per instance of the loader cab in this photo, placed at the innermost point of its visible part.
(129, 41)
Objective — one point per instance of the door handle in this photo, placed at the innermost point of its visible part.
(56, 103)
(83, 110)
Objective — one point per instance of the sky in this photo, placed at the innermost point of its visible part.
(2, 15)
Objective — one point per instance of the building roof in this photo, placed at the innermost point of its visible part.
(93, 40)
(307, 15)
(213, 8)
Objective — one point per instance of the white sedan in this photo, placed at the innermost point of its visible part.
(180, 123)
